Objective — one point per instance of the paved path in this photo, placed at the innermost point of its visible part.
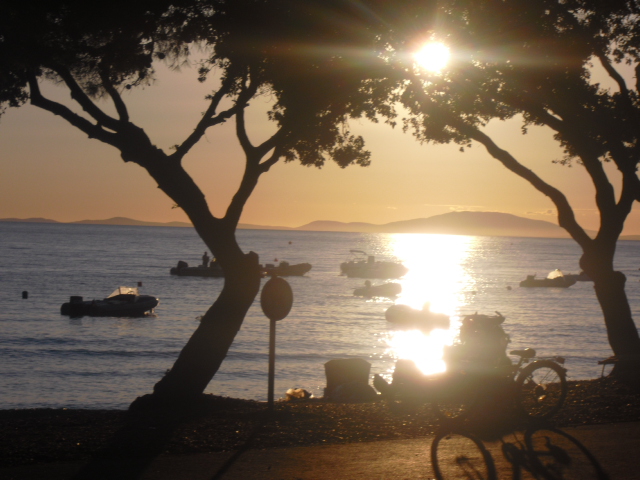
(616, 447)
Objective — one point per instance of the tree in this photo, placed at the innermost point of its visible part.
(533, 59)
(97, 53)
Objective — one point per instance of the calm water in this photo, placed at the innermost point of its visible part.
(49, 360)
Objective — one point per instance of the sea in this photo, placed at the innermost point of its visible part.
(48, 360)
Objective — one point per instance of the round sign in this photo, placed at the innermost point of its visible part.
(276, 298)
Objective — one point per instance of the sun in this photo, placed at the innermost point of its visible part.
(433, 56)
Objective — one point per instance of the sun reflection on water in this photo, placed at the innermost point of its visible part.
(436, 280)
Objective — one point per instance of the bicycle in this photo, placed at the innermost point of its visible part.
(537, 388)
(481, 371)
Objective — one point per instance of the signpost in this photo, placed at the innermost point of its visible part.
(276, 300)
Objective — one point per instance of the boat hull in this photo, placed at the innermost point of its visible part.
(197, 272)
(560, 282)
(125, 306)
(379, 270)
(297, 270)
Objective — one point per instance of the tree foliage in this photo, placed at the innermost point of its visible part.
(534, 60)
(281, 50)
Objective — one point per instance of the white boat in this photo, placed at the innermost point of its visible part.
(123, 302)
(554, 279)
(361, 265)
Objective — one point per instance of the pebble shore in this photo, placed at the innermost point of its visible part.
(34, 436)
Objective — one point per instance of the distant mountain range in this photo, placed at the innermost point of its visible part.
(454, 223)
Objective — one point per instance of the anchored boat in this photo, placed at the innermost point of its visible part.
(361, 265)
(285, 269)
(123, 302)
(554, 279)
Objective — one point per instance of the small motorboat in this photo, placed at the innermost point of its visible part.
(406, 317)
(554, 279)
(579, 277)
(361, 265)
(123, 302)
(285, 269)
(184, 270)
(388, 290)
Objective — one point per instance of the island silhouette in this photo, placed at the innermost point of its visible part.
(493, 224)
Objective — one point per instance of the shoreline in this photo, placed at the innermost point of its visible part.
(222, 424)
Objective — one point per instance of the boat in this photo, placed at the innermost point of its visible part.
(361, 265)
(184, 270)
(388, 290)
(579, 277)
(408, 317)
(285, 269)
(123, 302)
(555, 279)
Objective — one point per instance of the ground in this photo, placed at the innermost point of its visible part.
(225, 424)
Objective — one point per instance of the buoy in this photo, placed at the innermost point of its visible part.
(25, 294)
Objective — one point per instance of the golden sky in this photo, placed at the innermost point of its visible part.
(49, 169)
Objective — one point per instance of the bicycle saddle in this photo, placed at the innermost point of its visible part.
(526, 353)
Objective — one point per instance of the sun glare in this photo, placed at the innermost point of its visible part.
(433, 56)
(437, 279)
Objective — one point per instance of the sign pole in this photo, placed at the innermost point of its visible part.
(272, 361)
(276, 301)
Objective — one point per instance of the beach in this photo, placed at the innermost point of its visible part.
(219, 424)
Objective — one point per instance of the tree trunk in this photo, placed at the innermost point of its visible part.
(622, 332)
(621, 329)
(203, 354)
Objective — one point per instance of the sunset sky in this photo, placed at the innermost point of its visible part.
(49, 169)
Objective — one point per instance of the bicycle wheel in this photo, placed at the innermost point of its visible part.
(556, 455)
(457, 455)
(541, 389)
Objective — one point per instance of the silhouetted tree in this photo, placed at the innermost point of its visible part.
(533, 59)
(254, 48)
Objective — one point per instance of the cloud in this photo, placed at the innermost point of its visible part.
(471, 208)
(544, 213)
(456, 208)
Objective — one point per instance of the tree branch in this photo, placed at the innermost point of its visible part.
(241, 130)
(83, 100)
(93, 131)
(273, 159)
(121, 108)
(613, 73)
(566, 217)
(605, 193)
(209, 119)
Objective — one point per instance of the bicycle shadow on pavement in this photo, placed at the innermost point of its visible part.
(538, 451)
